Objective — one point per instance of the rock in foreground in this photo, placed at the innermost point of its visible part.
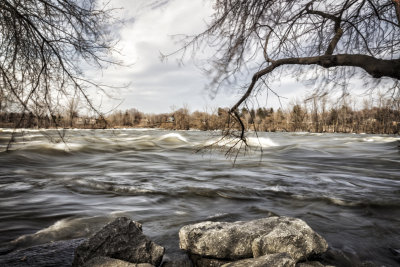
(109, 262)
(223, 240)
(122, 239)
(59, 253)
(291, 236)
(275, 238)
(278, 259)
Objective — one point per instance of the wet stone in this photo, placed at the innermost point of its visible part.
(121, 239)
(223, 240)
(240, 240)
(175, 260)
(278, 259)
(59, 253)
(212, 244)
(110, 262)
(310, 264)
(199, 261)
(292, 236)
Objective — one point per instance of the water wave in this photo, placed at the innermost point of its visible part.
(368, 139)
(229, 142)
(263, 142)
(93, 144)
(95, 186)
(63, 229)
(173, 138)
(43, 147)
(343, 202)
(346, 186)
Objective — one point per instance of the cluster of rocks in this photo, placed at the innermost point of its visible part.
(273, 241)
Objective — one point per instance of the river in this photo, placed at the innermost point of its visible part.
(345, 186)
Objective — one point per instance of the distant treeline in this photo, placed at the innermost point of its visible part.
(30, 120)
(310, 116)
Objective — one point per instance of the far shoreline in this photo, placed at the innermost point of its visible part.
(21, 129)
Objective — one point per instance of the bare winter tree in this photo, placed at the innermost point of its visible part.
(335, 39)
(43, 46)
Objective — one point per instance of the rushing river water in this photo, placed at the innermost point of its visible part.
(346, 187)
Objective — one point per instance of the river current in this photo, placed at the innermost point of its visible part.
(345, 186)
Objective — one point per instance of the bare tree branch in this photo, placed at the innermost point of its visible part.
(257, 37)
(44, 47)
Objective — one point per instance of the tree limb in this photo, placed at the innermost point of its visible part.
(376, 67)
(334, 42)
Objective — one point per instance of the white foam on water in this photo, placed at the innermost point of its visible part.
(368, 139)
(134, 129)
(146, 144)
(68, 228)
(18, 186)
(218, 215)
(173, 138)
(33, 135)
(382, 139)
(262, 142)
(180, 212)
(120, 213)
(224, 142)
(42, 146)
(8, 130)
(111, 188)
(341, 202)
(142, 137)
(300, 133)
(274, 188)
(66, 146)
(61, 229)
(21, 171)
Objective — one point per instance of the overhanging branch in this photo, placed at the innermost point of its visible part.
(376, 67)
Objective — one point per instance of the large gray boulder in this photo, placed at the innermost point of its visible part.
(199, 261)
(176, 260)
(291, 236)
(278, 259)
(110, 262)
(59, 253)
(121, 239)
(241, 240)
(223, 240)
(311, 264)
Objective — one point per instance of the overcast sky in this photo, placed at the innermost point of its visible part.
(154, 86)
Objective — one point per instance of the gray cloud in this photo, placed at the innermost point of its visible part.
(155, 86)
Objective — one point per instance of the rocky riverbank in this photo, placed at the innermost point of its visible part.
(273, 241)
